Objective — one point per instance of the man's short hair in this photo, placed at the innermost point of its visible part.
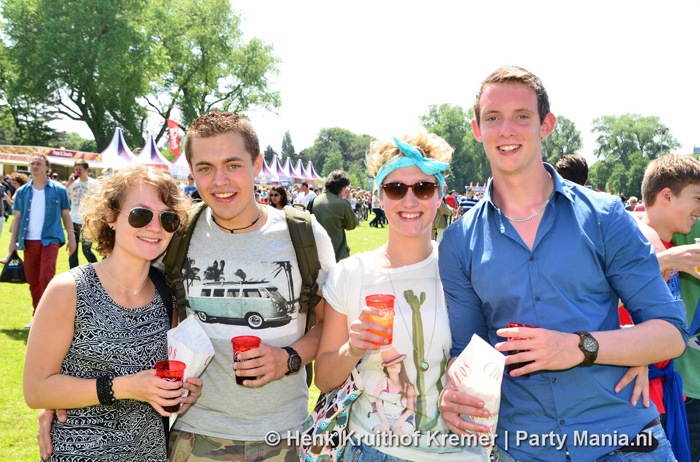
(670, 171)
(304, 183)
(573, 168)
(515, 75)
(336, 181)
(633, 198)
(217, 123)
(83, 163)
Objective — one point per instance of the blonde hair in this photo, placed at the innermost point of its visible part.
(99, 209)
(429, 144)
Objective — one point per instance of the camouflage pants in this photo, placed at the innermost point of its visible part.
(191, 447)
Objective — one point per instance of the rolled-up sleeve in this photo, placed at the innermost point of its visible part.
(632, 270)
(463, 304)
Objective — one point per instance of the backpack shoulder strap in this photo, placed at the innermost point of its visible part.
(162, 288)
(302, 234)
(175, 257)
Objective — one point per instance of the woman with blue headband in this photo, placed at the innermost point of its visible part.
(398, 412)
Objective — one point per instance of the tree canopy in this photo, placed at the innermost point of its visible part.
(469, 162)
(564, 139)
(108, 62)
(625, 146)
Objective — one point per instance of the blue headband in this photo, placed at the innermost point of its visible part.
(412, 156)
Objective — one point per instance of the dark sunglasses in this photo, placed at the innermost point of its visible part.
(423, 190)
(140, 217)
(274, 195)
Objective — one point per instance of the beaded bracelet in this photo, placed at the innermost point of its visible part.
(104, 389)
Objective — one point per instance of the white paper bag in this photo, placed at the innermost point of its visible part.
(478, 371)
(190, 344)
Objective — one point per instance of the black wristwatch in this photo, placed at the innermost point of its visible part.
(294, 361)
(589, 346)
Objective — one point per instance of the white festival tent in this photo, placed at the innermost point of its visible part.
(180, 168)
(267, 174)
(150, 155)
(312, 173)
(117, 154)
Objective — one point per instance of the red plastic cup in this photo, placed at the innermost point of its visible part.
(512, 367)
(172, 371)
(240, 344)
(385, 304)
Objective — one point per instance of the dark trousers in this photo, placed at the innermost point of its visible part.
(87, 248)
(378, 218)
(39, 267)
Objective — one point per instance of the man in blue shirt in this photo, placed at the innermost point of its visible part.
(543, 252)
(39, 207)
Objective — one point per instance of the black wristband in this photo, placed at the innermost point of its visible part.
(104, 389)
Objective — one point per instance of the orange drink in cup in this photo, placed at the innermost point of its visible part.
(385, 304)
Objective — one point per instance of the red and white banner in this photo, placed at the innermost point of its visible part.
(174, 132)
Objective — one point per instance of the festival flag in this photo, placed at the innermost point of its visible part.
(173, 131)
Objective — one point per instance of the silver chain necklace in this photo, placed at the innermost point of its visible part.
(424, 365)
(134, 292)
(520, 220)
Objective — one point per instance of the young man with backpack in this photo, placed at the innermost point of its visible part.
(242, 275)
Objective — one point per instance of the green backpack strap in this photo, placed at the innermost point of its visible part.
(175, 257)
(302, 235)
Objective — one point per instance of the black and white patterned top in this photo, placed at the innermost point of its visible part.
(123, 341)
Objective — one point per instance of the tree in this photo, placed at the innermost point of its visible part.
(625, 146)
(22, 119)
(269, 154)
(469, 162)
(334, 161)
(620, 137)
(565, 139)
(287, 146)
(91, 60)
(103, 61)
(207, 65)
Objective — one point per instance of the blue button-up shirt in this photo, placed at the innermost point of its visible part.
(56, 198)
(588, 252)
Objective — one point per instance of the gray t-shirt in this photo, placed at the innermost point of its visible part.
(247, 284)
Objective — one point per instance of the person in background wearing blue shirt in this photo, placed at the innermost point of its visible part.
(469, 201)
(510, 260)
(190, 188)
(38, 209)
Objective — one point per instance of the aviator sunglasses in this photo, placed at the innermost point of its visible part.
(140, 217)
(423, 190)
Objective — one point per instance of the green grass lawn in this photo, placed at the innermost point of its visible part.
(18, 424)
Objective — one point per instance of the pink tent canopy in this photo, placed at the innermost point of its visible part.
(295, 170)
(117, 154)
(286, 169)
(267, 171)
(310, 170)
(151, 156)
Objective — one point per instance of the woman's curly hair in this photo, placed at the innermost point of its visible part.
(429, 144)
(100, 207)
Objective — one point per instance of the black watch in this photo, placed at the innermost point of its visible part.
(294, 361)
(589, 346)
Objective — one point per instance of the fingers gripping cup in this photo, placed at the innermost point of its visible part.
(172, 371)
(385, 304)
(241, 344)
(512, 367)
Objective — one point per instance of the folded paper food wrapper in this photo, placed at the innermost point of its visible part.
(190, 344)
(478, 371)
